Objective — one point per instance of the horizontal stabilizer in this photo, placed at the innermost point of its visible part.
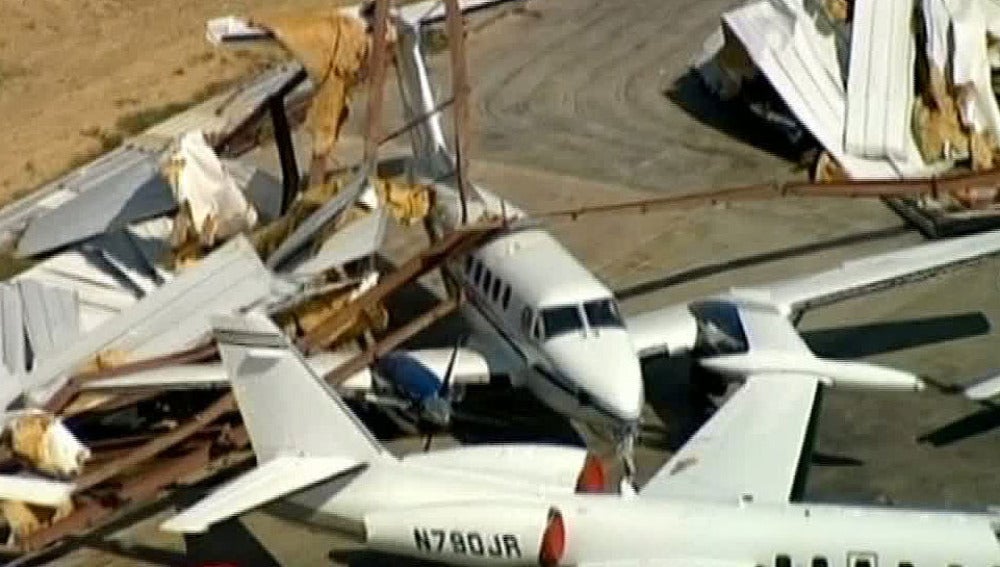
(34, 490)
(984, 388)
(278, 477)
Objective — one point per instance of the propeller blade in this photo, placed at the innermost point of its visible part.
(450, 369)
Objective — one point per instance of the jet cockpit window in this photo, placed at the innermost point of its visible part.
(561, 320)
(602, 313)
(720, 330)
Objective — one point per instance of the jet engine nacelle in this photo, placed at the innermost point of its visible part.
(836, 373)
(473, 533)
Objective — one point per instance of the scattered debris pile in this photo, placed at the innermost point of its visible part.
(889, 89)
(131, 254)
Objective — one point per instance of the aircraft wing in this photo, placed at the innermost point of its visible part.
(674, 329)
(750, 448)
(873, 273)
(274, 479)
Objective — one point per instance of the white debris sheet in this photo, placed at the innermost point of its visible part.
(852, 83)
(217, 206)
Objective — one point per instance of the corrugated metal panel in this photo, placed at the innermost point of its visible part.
(802, 65)
(130, 190)
(15, 216)
(880, 79)
(172, 318)
(220, 115)
(51, 317)
(15, 355)
(118, 249)
(101, 289)
(316, 221)
(361, 238)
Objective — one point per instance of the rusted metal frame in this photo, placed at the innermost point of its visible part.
(217, 409)
(391, 341)
(416, 121)
(92, 511)
(455, 26)
(455, 242)
(935, 187)
(377, 59)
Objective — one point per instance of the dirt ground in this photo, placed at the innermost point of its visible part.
(76, 76)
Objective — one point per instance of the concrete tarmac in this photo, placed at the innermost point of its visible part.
(589, 101)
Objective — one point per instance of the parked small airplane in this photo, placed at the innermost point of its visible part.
(724, 499)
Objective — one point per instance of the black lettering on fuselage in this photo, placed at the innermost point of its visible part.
(495, 549)
(511, 547)
(458, 546)
(466, 543)
(422, 540)
(439, 538)
(475, 542)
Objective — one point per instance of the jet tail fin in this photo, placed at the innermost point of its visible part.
(287, 408)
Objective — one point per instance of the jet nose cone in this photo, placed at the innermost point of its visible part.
(606, 370)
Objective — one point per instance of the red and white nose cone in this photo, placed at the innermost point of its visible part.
(553, 540)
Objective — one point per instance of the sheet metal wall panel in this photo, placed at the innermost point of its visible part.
(51, 317)
(803, 67)
(316, 221)
(129, 193)
(880, 79)
(15, 355)
(171, 318)
(117, 249)
(361, 238)
(219, 115)
(15, 216)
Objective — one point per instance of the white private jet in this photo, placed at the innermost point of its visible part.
(722, 500)
(540, 317)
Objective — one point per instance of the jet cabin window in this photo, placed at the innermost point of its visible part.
(495, 292)
(602, 313)
(478, 272)
(561, 320)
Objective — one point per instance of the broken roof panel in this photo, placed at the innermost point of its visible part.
(98, 286)
(170, 319)
(131, 189)
(315, 222)
(880, 79)
(802, 65)
(51, 317)
(15, 352)
(360, 238)
(222, 115)
(16, 216)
